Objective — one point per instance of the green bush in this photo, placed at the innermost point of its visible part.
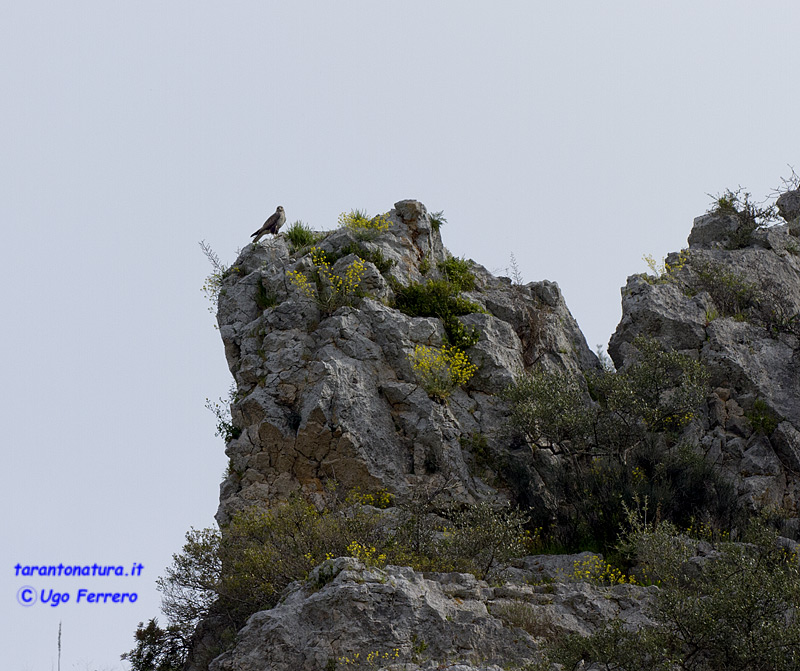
(375, 256)
(762, 418)
(457, 272)
(677, 481)
(617, 433)
(738, 610)
(158, 649)
(764, 303)
(265, 298)
(222, 411)
(301, 236)
(550, 408)
(660, 391)
(212, 286)
(483, 537)
(751, 217)
(437, 220)
(731, 292)
(439, 298)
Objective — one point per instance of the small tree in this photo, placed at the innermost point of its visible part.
(157, 649)
(736, 610)
(617, 434)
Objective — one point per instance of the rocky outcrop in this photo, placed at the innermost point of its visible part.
(732, 300)
(408, 620)
(330, 394)
(334, 396)
(788, 205)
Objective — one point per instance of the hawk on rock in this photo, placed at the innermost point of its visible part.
(271, 225)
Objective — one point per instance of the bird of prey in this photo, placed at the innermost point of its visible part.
(271, 225)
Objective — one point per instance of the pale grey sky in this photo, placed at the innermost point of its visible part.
(577, 135)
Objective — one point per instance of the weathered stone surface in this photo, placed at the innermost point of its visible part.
(788, 205)
(345, 608)
(760, 459)
(662, 311)
(713, 230)
(786, 441)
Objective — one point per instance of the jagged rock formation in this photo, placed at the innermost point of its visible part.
(335, 397)
(412, 621)
(732, 300)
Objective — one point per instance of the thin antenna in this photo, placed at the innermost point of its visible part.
(59, 645)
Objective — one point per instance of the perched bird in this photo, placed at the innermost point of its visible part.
(271, 225)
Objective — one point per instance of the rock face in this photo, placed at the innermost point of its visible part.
(732, 300)
(408, 620)
(330, 394)
(334, 396)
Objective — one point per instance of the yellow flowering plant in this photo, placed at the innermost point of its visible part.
(441, 371)
(599, 572)
(372, 660)
(663, 272)
(329, 290)
(366, 553)
(364, 226)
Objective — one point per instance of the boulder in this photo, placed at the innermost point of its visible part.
(409, 620)
(788, 205)
(714, 229)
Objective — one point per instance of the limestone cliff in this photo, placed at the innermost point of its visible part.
(334, 396)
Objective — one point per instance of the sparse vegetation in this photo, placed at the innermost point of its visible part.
(439, 298)
(437, 220)
(329, 290)
(762, 418)
(374, 256)
(750, 216)
(364, 226)
(265, 298)
(663, 272)
(477, 444)
(598, 571)
(611, 442)
(301, 236)
(483, 537)
(523, 615)
(731, 292)
(213, 282)
(222, 411)
(370, 660)
(763, 303)
(514, 271)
